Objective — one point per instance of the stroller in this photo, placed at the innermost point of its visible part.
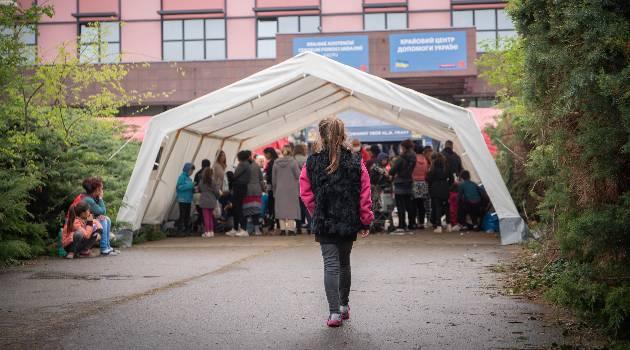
(382, 206)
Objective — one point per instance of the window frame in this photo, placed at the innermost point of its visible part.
(386, 20)
(496, 29)
(204, 40)
(276, 19)
(99, 56)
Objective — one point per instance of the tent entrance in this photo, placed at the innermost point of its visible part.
(291, 96)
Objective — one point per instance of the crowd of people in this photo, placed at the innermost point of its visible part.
(418, 187)
(261, 195)
(424, 186)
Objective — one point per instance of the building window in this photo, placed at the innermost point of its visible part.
(28, 38)
(193, 40)
(267, 28)
(492, 25)
(99, 42)
(385, 21)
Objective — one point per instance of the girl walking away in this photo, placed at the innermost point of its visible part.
(402, 171)
(185, 188)
(80, 232)
(286, 173)
(439, 184)
(335, 188)
(208, 200)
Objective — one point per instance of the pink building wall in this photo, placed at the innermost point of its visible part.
(429, 20)
(137, 46)
(98, 6)
(63, 10)
(52, 37)
(350, 23)
(140, 9)
(240, 8)
(241, 38)
(192, 4)
(336, 6)
(414, 5)
(285, 3)
(141, 41)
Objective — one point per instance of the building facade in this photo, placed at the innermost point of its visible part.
(197, 46)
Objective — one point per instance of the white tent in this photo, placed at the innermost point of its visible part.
(287, 97)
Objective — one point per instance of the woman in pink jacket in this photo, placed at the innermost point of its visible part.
(335, 188)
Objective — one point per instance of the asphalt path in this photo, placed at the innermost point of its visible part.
(422, 291)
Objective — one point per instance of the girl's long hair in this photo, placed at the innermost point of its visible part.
(206, 176)
(332, 138)
(74, 212)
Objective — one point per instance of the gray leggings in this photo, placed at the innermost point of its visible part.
(337, 273)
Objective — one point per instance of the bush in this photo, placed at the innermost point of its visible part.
(148, 233)
(14, 249)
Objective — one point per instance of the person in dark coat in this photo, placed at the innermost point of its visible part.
(439, 180)
(271, 156)
(453, 161)
(242, 175)
(401, 172)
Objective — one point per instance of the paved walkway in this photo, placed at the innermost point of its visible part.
(425, 291)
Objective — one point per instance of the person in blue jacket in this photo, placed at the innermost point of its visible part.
(185, 189)
(94, 198)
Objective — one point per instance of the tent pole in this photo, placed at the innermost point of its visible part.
(160, 173)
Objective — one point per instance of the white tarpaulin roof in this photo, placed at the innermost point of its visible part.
(287, 97)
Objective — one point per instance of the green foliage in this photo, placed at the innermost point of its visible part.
(148, 233)
(565, 135)
(57, 127)
(11, 250)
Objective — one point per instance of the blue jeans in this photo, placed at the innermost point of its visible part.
(107, 226)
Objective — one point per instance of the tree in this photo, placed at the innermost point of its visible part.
(56, 127)
(566, 86)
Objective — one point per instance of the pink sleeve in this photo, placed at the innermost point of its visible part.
(365, 200)
(306, 192)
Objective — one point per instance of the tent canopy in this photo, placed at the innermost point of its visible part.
(290, 96)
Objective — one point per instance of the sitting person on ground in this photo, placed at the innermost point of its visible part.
(80, 232)
(469, 201)
(208, 201)
(185, 188)
(94, 198)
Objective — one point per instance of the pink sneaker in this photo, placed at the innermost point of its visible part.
(345, 312)
(334, 320)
